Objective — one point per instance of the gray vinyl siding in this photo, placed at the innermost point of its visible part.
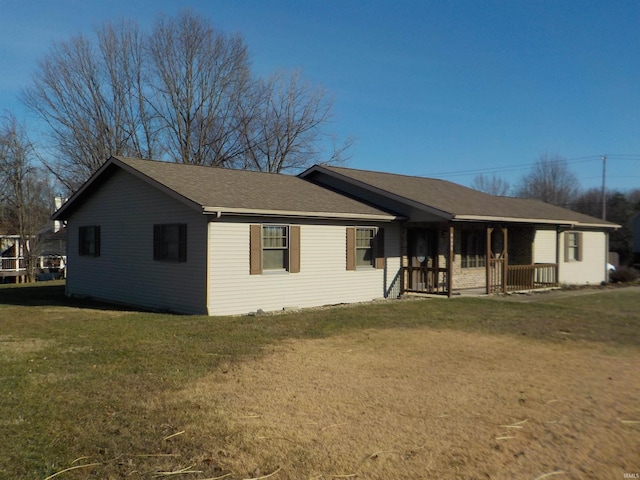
(126, 209)
(322, 280)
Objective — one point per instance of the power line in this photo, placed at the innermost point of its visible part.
(523, 166)
(510, 168)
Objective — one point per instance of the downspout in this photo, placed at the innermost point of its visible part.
(557, 255)
(209, 266)
(606, 257)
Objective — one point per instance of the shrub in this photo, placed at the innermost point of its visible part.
(624, 275)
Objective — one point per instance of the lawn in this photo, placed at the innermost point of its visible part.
(436, 388)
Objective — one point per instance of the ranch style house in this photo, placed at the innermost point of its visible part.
(204, 240)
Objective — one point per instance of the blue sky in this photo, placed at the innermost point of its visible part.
(446, 89)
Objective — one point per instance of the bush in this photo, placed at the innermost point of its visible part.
(624, 275)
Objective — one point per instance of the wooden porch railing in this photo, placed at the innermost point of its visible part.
(425, 279)
(521, 277)
(12, 264)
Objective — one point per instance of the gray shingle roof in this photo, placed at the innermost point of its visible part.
(240, 191)
(460, 202)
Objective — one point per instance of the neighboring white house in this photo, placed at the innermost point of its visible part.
(213, 241)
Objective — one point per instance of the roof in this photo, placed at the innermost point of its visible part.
(456, 202)
(223, 191)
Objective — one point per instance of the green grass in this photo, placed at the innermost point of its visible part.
(87, 379)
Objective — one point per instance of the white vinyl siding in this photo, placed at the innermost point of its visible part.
(126, 209)
(544, 246)
(591, 268)
(322, 279)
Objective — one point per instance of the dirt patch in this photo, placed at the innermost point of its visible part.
(10, 346)
(425, 404)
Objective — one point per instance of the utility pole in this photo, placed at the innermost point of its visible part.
(604, 190)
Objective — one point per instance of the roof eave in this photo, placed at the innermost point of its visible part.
(564, 222)
(60, 213)
(245, 212)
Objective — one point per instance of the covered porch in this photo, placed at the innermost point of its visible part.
(447, 259)
(12, 262)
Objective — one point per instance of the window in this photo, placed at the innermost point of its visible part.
(474, 248)
(365, 247)
(275, 247)
(573, 247)
(89, 241)
(170, 242)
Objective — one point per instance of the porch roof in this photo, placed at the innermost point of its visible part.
(456, 202)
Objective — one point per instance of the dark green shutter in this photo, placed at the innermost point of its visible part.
(182, 242)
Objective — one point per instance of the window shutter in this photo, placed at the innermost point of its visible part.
(157, 242)
(294, 249)
(97, 240)
(379, 247)
(255, 249)
(182, 242)
(579, 253)
(351, 248)
(81, 240)
(566, 246)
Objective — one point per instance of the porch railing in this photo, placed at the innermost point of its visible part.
(530, 277)
(521, 277)
(425, 279)
(12, 264)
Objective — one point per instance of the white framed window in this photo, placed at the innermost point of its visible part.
(573, 246)
(89, 241)
(275, 247)
(365, 246)
(170, 242)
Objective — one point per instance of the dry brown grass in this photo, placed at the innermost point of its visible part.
(424, 404)
(464, 389)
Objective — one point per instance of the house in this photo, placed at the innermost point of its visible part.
(213, 241)
(12, 263)
(457, 238)
(48, 248)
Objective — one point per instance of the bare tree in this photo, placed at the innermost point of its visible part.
(492, 185)
(24, 190)
(122, 50)
(92, 99)
(199, 78)
(286, 132)
(184, 92)
(551, 181)
(589, 202)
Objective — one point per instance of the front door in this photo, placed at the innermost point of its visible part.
(423, 273)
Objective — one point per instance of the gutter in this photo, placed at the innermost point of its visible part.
(219, 211)
(567, 223)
